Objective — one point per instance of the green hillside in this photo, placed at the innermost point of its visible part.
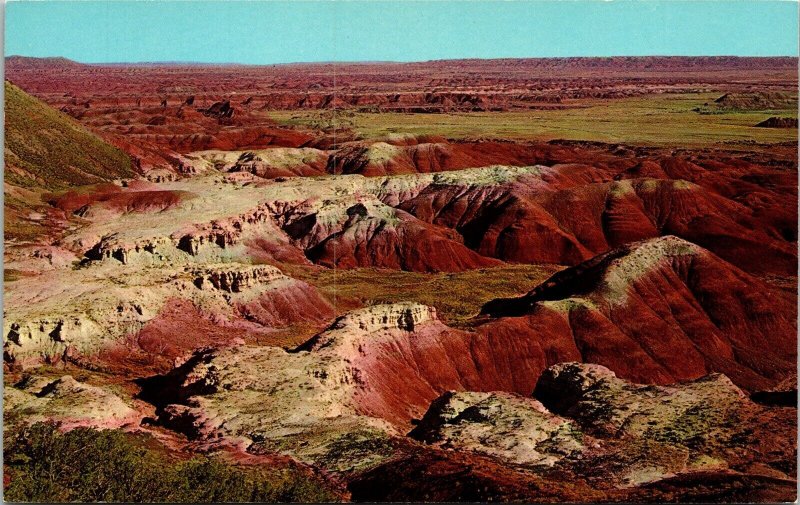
(45, 148)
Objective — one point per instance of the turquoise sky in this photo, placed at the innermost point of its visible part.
(280, 32)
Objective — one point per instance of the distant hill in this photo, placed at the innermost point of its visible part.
(21, 62)
(756, 101)
(778, 122)
(616, 63)
(45, 148)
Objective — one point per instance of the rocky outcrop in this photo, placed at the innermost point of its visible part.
(150, 250)
(393, 157)
(235, 278)
(66, 401)
(360, 231)
(616, 437)
(264, 295)
(380, 318)
(399, 316)
(502, 425)
(250, 393)
(709, 418)
(222, 233)
(762, 100)
(249, 396)
(252, 232)
(604, 383)
(219, 110)
(50, 339)
(391, 361)
(151, 310)
(267, 163)
(447, 221)
(394, 239)
(400, 357)
(590, 427)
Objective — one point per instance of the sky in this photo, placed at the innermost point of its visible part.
(268, 32)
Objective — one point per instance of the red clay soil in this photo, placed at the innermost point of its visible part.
(228, 139)
(72, 200)
(252, 163)
(292, 304)
(407, 245)
(180, 327)
(112, 198)
(267, 250)
(138, 107)
(405, 373)
(650, 316)
(743, 210)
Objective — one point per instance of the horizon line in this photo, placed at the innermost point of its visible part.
(392, 62)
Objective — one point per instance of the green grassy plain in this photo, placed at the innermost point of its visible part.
(456, 296)
(657, 120)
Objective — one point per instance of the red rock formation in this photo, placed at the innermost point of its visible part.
(569, 213)
(312, 163)
(653, 312)
(180, 327)
(296, 302)
(403, 243)
(262, 294)
(609, 439)
(656, 312)
(111, 198)
(432, 157)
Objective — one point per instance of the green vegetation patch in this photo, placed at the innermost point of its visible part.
(456, 296)
(87, 465)
(659, 120)
(45, 148)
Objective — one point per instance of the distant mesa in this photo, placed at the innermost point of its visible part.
(778, 122)
(756, 101)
